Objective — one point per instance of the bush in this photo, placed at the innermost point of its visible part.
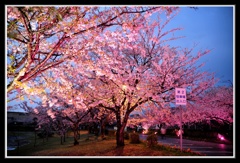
(134, 138)
(111, 133)
(152, 140)
(126, 135)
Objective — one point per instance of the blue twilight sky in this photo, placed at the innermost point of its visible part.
(211, 27)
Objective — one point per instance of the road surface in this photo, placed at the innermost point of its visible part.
(207, 148)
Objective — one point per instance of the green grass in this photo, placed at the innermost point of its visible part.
(90, 145)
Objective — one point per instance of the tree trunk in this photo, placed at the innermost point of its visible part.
(102, 129)
(78, 134)
(35, 137)
(121, 124)
(120, 136)
(75, 137)
(120, 132)
(75, 131)
(47, 135)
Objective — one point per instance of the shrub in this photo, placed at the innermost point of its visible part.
(134, 138)
(126, 135)
(152, 140)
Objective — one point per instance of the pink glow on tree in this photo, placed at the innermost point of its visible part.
(70, 100)
(134, 72)
(40, 38)
(128, 70)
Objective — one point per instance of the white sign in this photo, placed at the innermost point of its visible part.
(180, 96)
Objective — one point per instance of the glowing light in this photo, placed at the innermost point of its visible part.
(124, 87)
(221, 137)
(145, 131)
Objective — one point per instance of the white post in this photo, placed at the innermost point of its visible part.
(181, 99)
(180, 127)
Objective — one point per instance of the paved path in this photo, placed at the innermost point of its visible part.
(207, 148)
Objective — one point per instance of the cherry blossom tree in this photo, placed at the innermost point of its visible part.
(217, 104)
(68, 100)
(61, 126)
(214, 104)
(104, 117)
(44, 121)
(139, 71)
(130, 69)
(42, 37)
(69, 95)
(50, 115)
(71, 114)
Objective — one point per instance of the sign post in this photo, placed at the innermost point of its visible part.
(181, 99)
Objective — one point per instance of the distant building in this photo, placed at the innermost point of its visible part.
(19, 117)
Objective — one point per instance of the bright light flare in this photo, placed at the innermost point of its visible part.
(145, 131)
(221, 137)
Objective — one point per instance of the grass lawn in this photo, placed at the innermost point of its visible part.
(90, 146)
